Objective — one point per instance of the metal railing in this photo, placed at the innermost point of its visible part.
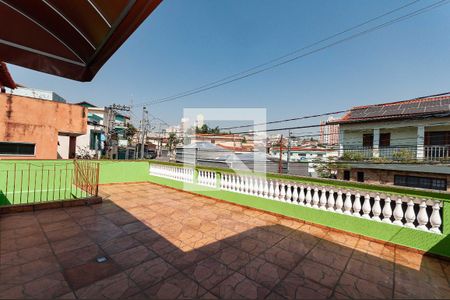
(45, 181)
(437, 153)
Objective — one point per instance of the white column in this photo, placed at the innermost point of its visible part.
(420, 142)
(341, 142)
(376, 142)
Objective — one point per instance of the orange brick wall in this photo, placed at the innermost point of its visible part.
(30, 120)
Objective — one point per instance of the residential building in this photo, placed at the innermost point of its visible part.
(93, 142)
(233, 142)
(329, 133)
(25, 135)
(385, 142)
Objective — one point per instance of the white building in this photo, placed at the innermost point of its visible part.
(394, 135)
(38, 94)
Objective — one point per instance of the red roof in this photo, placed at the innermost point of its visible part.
(419, 107)
(5, 77)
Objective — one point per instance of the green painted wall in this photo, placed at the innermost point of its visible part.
(123, 171)
(37, 181)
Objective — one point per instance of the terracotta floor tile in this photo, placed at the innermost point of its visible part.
(25, 255)
(281, 257)
(295, 286)
(115, 287)
(420, 283)
(79, 256)
(18, 275)
(263, 272)
(328, 258)
(185, 257)
(133, 256)
(355, 287)
(151, 272)
(252, 246)
(48, 286)
(239, 287)
(90, 272)
(319, 273)
(75, 242)
(20, 243)
(21, 231)
(372, 272)
(119, 244)
(301, 247)
(52, 216)
(134, 227)
(209, 272)
(232, 257)
(178, 286)
(63, 233)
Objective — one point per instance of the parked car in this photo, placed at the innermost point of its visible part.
(150, 154)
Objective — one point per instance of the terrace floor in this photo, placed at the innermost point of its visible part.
(163, 243)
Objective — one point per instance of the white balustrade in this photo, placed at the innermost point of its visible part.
(421, 214)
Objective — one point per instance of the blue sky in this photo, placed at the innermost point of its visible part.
(185, 44)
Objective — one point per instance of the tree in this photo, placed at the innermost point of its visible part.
(130, 131)
(205, 129)
(172, 141)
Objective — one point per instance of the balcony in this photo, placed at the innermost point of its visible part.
(250, 237)
(437, 153)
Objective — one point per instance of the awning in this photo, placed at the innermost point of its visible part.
(71, 39)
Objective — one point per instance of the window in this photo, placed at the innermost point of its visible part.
(7, 148)
(346, 175)
(94, 140)
(421, 182)
(437, 138)
(368, 140)
(360, 176)
(385, 139)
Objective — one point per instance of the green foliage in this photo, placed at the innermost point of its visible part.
(172, 141)
(403, 155)
(205, 129)
(352, 155)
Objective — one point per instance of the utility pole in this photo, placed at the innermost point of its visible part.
(280, 162)
(144, 125)
(288, 151)
(110, 112)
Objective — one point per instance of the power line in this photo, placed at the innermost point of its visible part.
(330, 113)
(230, 79)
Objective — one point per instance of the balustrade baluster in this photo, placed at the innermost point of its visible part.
(323, 199)
(422, 216)
(301, 196)
(315, 200)
(435, 218)
(289, 193)
(295, 194)
(282, 191)
(250, 186)
(339, 202)
(387, 210)
(357, 205)
(398, 212)
(277, 191)
(331, 201)
(266, 189)
(410, 215)
(308, 197)
(376, 209)
(366, 207)
(271, 190)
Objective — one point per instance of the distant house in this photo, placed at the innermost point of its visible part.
(389, 137)
(36, 135)
(93, 142)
